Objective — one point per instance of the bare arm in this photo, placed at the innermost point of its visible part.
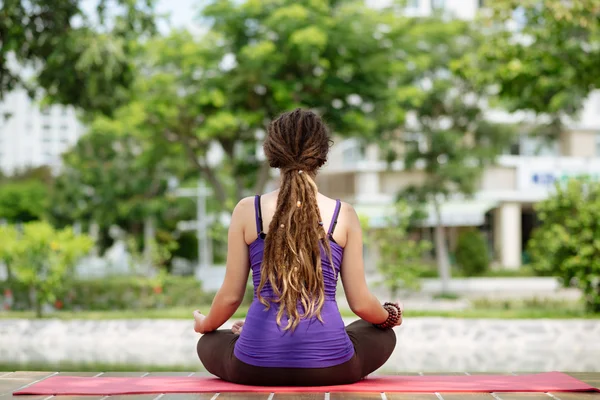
(230, 295)
(362, 302)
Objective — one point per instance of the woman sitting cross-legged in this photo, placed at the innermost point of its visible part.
(296, 241)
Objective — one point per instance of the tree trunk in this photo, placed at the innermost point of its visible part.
(38, 309)
(148, 242)
(206, 171)
(34, 297)
(262, 178)
(441, 251)
(94, 232)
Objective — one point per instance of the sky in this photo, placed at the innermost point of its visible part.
(183, 13)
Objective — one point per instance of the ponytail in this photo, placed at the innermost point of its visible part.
(292, 256)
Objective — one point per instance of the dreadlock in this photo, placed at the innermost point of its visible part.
(297, 144)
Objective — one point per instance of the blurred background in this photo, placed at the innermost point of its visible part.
(467, 137)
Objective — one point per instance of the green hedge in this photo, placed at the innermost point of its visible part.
(472, 254)
(122, 293)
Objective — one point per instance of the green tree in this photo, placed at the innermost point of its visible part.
(472, 255)
(23, 201)
(400, 257)
(567, 241)
(449, 139)
(44, 258)
(258, 59)
(24, 194)
(8, 240)
(80, 59)
(113, 178)
(540, 56)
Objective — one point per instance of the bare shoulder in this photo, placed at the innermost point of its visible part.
(244, 209)
(245, 203)
(349, 213)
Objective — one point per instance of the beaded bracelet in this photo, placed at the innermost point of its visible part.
(394, 315)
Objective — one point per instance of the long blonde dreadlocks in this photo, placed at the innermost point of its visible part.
(297, 144)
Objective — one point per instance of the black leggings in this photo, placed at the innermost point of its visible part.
(372, 348)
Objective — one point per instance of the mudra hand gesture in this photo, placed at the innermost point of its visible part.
(199, 322)
(237, 327)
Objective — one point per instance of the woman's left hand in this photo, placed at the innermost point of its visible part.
(237, 327)
(401, 307)
(199, 322)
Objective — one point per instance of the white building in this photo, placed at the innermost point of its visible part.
(503, 205)
(31, 136)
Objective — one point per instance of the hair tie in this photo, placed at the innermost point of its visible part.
(299, 204)
(300, 172)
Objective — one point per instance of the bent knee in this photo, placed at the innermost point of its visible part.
(203, 348)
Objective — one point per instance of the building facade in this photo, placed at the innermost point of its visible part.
(507, 191)
(503, 205)
(32, 136)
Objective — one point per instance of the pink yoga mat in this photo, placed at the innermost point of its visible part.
(545, 382)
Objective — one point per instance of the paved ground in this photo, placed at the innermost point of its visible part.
(424, 344)
(10, 382)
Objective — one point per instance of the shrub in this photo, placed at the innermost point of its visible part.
(567, 242)
(471, 253)
(42, 259)
(124, 293)
(400, 257)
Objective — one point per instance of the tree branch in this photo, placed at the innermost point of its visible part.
(203, 168)
(229, 148)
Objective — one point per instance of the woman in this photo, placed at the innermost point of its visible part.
(293, 333)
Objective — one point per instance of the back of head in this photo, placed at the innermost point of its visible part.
(297, 143)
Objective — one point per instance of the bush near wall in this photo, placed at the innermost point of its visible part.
(472, 255)
(121, 293)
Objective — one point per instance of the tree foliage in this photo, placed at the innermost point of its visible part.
(24, 195)
(217, 92)
(449, 138)
(23, 201)
(42, 258)
(400, 256)
(113, 178)
(567, 241)
(76, 58)
(539, 56)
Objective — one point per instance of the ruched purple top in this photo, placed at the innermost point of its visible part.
(313, 344)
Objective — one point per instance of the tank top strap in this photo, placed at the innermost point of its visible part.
(336, 214)
(258, 214)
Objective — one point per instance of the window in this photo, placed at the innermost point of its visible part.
(46, 127)
(534, 146)
(437, 4)
(413, 3)
(64, 128)
(64, 111)
(353, 154)
(45, 111)
(598, 144)
(480, 3)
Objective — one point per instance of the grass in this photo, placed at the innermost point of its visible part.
(97, 367)
(531, 309)
(522, 272)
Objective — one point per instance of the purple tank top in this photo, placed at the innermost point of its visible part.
(313, 344)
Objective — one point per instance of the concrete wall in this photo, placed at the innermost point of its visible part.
(578, 143)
